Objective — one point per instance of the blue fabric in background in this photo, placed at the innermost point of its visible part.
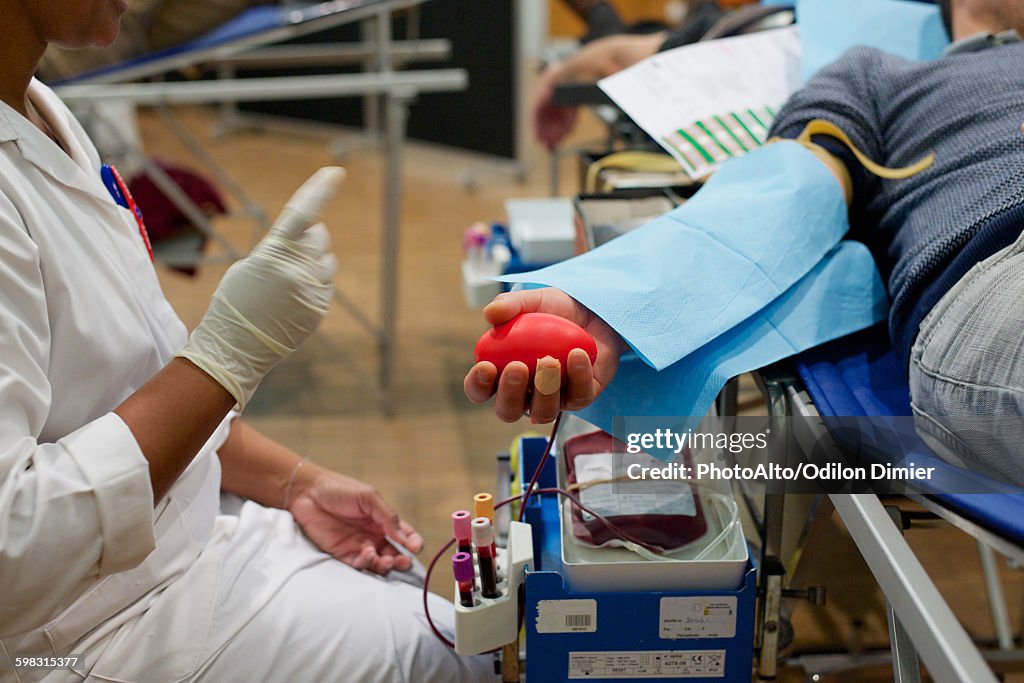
(907, 28)
(668, 288)
(843, 293)
(747, 272)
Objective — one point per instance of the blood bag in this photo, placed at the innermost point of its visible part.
(666, 513)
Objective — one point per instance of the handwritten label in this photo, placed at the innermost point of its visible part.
(706, 617)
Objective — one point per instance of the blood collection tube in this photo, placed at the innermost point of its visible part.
(462, 567)
(483, 506)
(461, 521)
(483, 539)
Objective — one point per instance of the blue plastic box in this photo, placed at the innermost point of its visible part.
(704, 635)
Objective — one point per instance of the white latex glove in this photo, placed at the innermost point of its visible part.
(268, 303)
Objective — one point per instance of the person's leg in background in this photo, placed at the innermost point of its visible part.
(967, 369)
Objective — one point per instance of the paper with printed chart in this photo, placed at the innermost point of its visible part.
(709, 102)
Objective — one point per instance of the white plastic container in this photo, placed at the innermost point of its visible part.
(494, 622)
(619, 569)
(478, 284)
(542, 230)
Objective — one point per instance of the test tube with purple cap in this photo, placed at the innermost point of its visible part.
(462, 567)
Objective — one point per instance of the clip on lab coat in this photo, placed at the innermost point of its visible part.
(123, 197)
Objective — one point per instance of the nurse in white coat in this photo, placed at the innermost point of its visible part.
(118, 432)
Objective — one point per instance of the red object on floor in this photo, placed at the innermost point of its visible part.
(164, 220)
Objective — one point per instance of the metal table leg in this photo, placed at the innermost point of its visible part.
(996, 599)
(944, 646)
(906, 666)
(771, 574)
(396, 111)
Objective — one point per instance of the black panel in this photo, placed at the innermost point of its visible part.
(481, 118)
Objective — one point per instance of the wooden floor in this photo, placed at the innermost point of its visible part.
(439, 449)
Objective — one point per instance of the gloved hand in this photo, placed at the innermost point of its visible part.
(269, 302)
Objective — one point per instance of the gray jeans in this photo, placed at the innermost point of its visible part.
(967, 369)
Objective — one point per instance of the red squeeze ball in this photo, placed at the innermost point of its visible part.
(530, 336)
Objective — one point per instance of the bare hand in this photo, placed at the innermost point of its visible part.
(514, 397)
(349, 520)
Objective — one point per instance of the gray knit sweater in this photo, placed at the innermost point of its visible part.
(928, 230)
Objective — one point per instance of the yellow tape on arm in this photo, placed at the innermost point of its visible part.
(821, 127)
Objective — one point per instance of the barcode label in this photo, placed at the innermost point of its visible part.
(577, 620)
(566, 616)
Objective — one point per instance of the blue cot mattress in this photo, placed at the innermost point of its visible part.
(860, 375)
(255, 21)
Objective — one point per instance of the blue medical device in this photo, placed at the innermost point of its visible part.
(700, 635)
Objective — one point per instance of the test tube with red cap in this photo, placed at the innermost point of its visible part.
(462, 567)
(483, 539)
(461, 521)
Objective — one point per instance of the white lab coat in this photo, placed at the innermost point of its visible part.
(87, 566)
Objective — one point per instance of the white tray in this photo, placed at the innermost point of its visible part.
(619, 569)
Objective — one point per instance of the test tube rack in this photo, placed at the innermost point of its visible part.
(493, 622)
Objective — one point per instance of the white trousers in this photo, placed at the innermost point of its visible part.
(263, 604)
